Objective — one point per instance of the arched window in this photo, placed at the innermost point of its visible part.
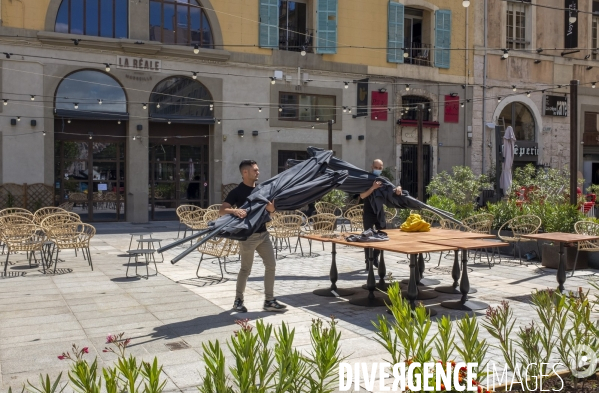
(410, 102)
(521, 119)
(90, 91)
(181, 97)
(102, 18)
(179, 22)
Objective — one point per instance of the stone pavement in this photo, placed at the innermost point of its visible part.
(170, 315)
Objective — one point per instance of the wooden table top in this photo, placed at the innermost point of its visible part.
(436, 233)
(402, 246)
(561, 237)
(467, 244)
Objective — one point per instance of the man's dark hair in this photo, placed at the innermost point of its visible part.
(246, 163)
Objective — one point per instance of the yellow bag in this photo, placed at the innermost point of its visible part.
(415, 223)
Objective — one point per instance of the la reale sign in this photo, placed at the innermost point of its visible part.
(555, 106)
(138, 64)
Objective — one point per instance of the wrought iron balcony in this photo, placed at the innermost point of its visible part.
(296, 41)
(418, 54)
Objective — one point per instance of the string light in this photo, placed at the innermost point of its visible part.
(273, 80)
(572, 18)
(505, 54)
(169, 122)
(5, 102)
(528, 94)
(107, 67)
(498, 99)
(195, 75)
(408, 87)
(18, 118)
(218, 121)
(280, 109)
(303, 52)
(69, 121)
(514, 88)
(405, 52)
(100, 101)
(211, 106)
(43, 133)
(32, 98)
(144, 106)
(346, 85)
(118, 122)
(349, 110)
(462, 104)
(158, 105)
(196, 49)
(133, 137)
(593, 86)
(259, 109)
(76, 105)
(312, 127)
(90, 135)
(344, 109)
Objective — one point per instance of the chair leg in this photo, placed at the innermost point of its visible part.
(220, 265)
(199, 263)
(300, 244)
(575, 261)
(519, 252)
(128, 264)
(6, 262)
(310, 243)
(89, 258)
(289, 243)
(440, 256)
(539, 251)
(56, 260)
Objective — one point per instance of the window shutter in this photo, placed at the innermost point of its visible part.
(326, 33)
(442, 38)
(395, 41)
(269, 24)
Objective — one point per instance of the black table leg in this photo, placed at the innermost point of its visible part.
(371, 300)
(561, 269)
(421, 281)
(422, 295)
(333, 291)
(464, 304)
(382, 269)
(455, 274)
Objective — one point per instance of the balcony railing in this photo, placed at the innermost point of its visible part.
(296, 42)
(418, 54)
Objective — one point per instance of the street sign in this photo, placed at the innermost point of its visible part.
(555, 106)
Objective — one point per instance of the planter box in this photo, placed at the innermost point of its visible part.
(551, 257)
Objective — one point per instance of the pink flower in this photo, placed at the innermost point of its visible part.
(61, 357)
(110, 339)
(85, 350)
(127, 341)
(106, 350)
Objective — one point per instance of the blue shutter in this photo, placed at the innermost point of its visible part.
(269, 24)
(395, 41)
(442, 38)
(326, 33)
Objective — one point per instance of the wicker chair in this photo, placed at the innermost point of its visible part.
(72, 236)
(219, 248)
(15, 210)
(42, 213)
(328, 208)
(78, 198)
(321, 224)
(586, 228)
(58, 219)
(195, 220)
(390, 214)
(68, 206)
(521, 225)
(182, 214)
(284, 227)
(210, 215)
(354, 216)
(429, 216)
(23, 237)
(481, 223)
(214, 207)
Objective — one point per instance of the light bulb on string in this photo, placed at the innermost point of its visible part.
(144, 106)
(133, 137)
(107, 67)
(498, 99)
(303, 52)
(318, 119)
(344, 109)
(462, 104)
(169, 122)
(90, 136)
(572, 18)
(165, 139)
(194, 75)
(118, 122)
(505, 54)
(5, 102)
(76, 105)
(211, 106)
(528, 94)
(100, 101)
(312, 127)
(273, 80)
(407, 87)
(514, 88)
(196, 49)
(593, 86)
(18, 118)
(259, 109)
(346, 85)
(405, 52)
(32, 98)
(43, 133)
(69, 121)
(218, 121)
(349, 110)
(280, 109)
(158, 105)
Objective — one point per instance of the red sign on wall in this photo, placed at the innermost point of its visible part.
(378, 106)
(452, 109)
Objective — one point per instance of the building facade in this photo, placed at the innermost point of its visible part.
(131, 109)
(527, 54)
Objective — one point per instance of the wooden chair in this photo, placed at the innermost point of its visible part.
(23, 237)
(72, 236)
(354, 216)
(586, 228)
(321, 224)
(218, 248)
(522, 225)
(286, 226)
(42, 213)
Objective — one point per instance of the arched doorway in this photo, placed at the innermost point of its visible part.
(519, 116)
(89, 145)
(181, 111)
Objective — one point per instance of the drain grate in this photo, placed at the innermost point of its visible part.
(177, 345)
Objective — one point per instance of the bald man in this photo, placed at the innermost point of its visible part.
(369, 218)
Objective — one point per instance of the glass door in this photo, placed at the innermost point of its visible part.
(91, 174)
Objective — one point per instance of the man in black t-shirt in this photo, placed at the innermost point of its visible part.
(259, 241)
(369, 218)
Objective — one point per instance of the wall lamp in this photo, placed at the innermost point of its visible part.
(348, 137)
(360, 137)
(453, 94)
(254, 133)
(240, 133)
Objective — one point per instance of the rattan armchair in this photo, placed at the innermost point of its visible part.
(328, 208)
(586, 228)
(429, 216)
(23, 237)
(321, 225)
(390, 214)
(182, 212)
(44, 212)
(17, 211)
(522, 225)
(68, 206)
(482, 223)
(284, 227)
(71, 236)
(58, 219)
(214, 207)
(354, 216)
(218, 248)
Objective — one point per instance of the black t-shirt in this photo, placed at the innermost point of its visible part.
(238, 196)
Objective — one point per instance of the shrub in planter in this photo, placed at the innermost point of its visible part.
(503, 211)
(555, 217)
(462, 187)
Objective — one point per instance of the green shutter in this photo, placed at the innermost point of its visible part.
(395, 41)
(326, 33)
(442, 38)
(269, 24)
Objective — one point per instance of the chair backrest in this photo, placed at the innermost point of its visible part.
(291, 213)
(390, 214)
(68, 206)
(14, 210)
(16, 219)
(524, 225)
(214, 207)
(68, 235)
(58, 219)
(328, 208)
(287, 225)
(447, 224)
(22, 237)
(352, 211)
(210, 216)
(480, 223)
(186, 208)
(77, 197)
(322, 224)
(587, 228)
(42, 213)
